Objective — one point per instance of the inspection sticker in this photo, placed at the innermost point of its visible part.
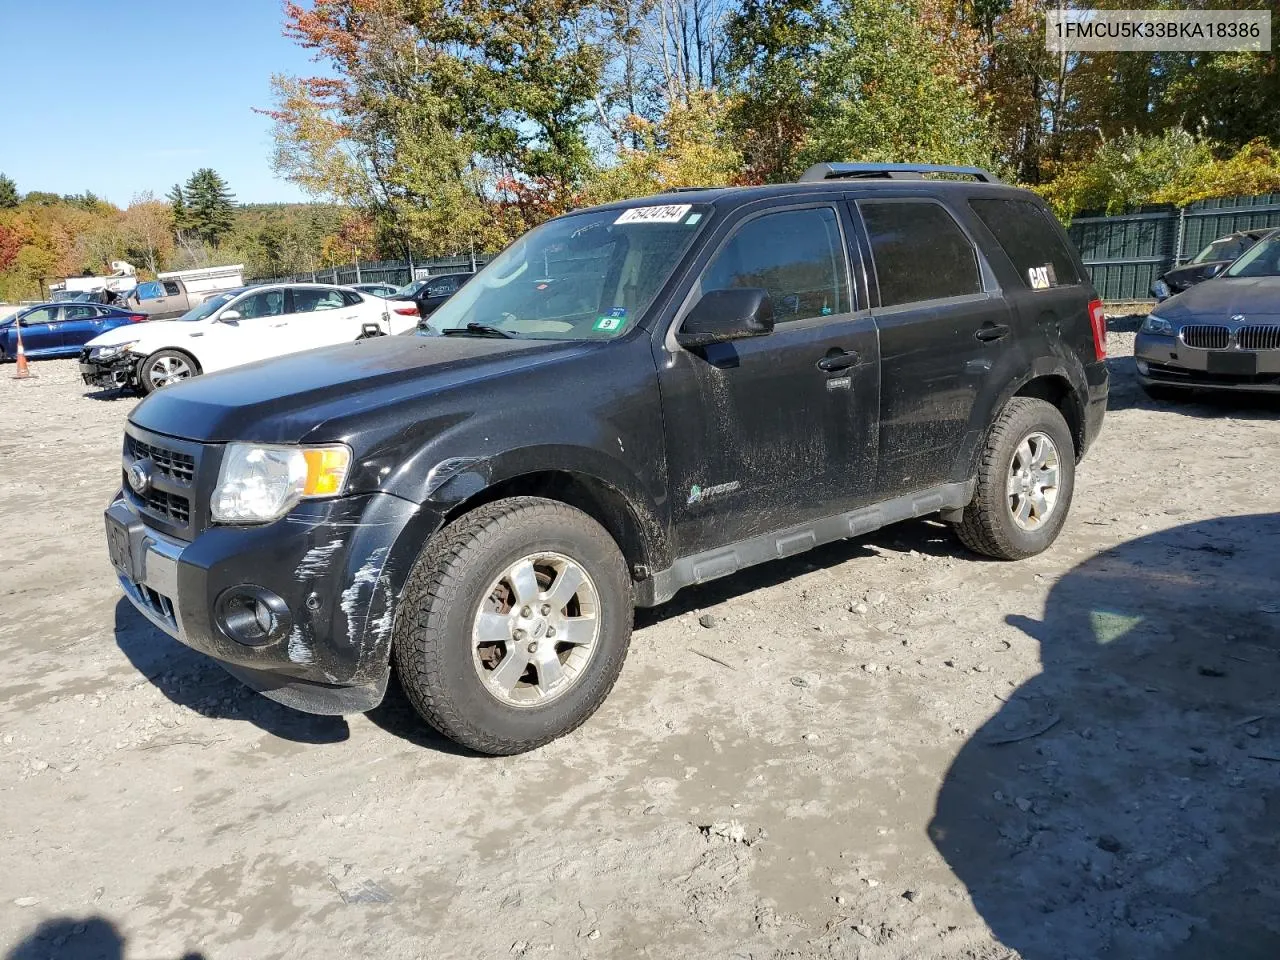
(669, 213)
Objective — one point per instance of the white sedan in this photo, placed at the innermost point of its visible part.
(237, 327)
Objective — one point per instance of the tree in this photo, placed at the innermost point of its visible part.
(882, 91)
(147, 237)
(8, 193)
(208, 206)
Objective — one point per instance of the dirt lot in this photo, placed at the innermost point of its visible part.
(826, 771)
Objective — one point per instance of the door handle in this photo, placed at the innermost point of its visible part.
(991, 331)
(839, 361)
(280, 324)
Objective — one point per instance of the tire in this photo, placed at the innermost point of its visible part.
(179, 357)
(443, 668)
(1164, 394)
(989, 525)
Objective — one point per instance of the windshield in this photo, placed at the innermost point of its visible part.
(584, 276)
(208, 308)
(1260, 260)
(409, 289)
(1228, 248)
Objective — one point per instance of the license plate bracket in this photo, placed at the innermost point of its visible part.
(119, 547)
(1238, 363)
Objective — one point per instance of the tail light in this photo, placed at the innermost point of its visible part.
(405, 309)
(137, 317)
(1098, 321)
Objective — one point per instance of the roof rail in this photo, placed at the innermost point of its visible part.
(891, 171)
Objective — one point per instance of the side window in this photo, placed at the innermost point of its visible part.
(269, 303)
(149, 291)
(796, 255)
(171, 289)
(351, 298)
(919, 250)
(442, 287)
(79, 313)
(309, 300)
(43, 315)
(1031, 241)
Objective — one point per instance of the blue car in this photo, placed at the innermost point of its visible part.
(60, 329)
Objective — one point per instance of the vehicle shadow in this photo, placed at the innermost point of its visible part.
(1123, 803)
(109, 395)
(1126, 394)
(76, 938)
(929, 537)
(196, 682)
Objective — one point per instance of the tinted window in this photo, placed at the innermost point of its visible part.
(796, 255)
(445, 285)
(79, 313)
(171, 288)
(1031, 241)
(920, 252)
(308, 300)
(351, 299)
(270, 303)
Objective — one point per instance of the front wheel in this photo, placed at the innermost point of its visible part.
(514, 625)
(163, 368)
(1025, 481)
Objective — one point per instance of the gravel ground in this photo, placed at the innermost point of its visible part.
(883, 749)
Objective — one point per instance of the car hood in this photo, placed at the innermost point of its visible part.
(287, 399)
(1255, 298)
(170, 330)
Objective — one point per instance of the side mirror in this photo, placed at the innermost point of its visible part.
(723, 315)
(229, 316)
(1213, 269)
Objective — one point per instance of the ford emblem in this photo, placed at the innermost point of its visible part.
(139, 475)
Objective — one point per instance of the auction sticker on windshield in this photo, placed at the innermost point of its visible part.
(670, 213)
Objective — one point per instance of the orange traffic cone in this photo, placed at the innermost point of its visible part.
(24, 373)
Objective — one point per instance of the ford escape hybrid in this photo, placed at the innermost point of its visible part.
(630, 399)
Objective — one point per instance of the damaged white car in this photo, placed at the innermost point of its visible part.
(239, 327)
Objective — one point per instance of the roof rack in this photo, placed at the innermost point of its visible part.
(889, 171)
(686, 189)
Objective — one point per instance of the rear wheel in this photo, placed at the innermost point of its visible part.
(514, 625)
(163, 368)
(1025, 481)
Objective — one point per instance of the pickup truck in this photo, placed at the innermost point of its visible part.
(173, 294)
(726, 376)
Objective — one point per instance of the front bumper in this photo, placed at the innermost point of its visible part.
(118, 372)
(1168, 362)
(335, 567)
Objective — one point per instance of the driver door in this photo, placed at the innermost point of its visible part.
(768, 432)
(258, 333)
(41, 332)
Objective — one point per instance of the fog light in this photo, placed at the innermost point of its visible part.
(1142, 367)
(252, 615)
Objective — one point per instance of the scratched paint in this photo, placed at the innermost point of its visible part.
(299, 652)
(370, 572)
(315, 562)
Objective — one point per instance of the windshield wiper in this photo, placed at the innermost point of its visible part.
(477, 330)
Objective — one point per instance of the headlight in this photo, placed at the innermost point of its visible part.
(115, 349)
(1157, 325)
(260, 482)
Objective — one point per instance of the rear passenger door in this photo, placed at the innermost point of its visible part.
(322, 317)
(943, 327)
(81, 322)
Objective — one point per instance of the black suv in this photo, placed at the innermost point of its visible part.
(628, 400)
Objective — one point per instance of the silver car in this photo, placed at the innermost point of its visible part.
(1223, 334)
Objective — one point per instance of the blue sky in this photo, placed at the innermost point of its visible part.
(160, 87)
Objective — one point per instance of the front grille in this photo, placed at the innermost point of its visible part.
(1205, 336)
(175, 508)
(179, 466)
(182, 472)
(1259, 337)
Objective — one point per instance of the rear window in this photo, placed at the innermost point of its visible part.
(920, 252)
(1033, 244)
